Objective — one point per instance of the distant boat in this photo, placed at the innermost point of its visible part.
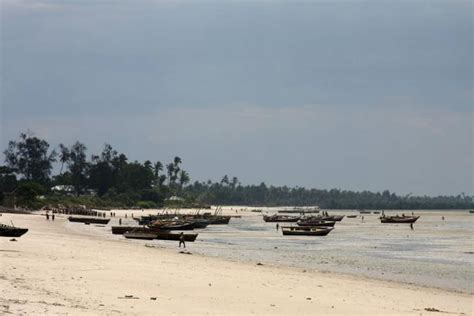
(140, 235)
(351, 216)
(313, 223)
(329, 218)
(173, 225)
(280, 218)
(160, 234)
(11, 231)
(399, 219)
(364, 212)
(88, 220)
(306, 231)
(472, 212)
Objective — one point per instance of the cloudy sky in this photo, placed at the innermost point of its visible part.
(358, 95)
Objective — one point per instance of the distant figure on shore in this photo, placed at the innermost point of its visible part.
(47, 216)
(125, 215)
(442, 217)
(52, 217)
(120, 221)
(412, 213)
(362, 218)
(277, 226)
(181, 240)
(411, 226)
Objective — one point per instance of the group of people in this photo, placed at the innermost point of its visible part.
(47, 216)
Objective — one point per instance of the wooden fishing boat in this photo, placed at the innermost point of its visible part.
(398, 219)
(164, 235)
(364, 212)
(172, 225)
(11, 231)
(315, 223)
(471, 212)
(280, 218)
(160, 234)
(140, 235)
(351, 216)
(329, 218)
(89, 220)
(218, 220)
(306, 231)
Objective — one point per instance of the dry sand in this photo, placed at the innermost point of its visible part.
(66, 268)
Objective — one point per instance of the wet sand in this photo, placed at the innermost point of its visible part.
(61, 267)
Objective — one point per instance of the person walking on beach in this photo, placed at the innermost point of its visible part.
(181, 240)
(52, 217)
(47, 216)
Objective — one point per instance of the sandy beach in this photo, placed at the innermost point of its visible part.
(67, 268)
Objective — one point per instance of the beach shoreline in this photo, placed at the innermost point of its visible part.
(55, 269)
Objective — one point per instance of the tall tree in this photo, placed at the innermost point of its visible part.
(63, 156)
(30, 157)
(183, 178)
(78, 167)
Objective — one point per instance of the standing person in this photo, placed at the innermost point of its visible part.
(181, 240)
(277, 226)
(442, 218)
(52, 217)
(47, 216)
(120, 221)
(411, 226)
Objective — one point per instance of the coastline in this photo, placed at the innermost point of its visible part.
(57, 269)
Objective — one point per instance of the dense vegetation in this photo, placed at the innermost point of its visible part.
(109, 179)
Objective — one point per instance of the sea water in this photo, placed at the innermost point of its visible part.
(436, 253)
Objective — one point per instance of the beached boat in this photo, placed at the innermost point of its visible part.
(89, 220)
(11, 231)
(302, 222)
(160, 234)
(172, 225)
(328, 218)
(472, 212)
(399, 219)
(364, 212)
(306, 231)
(280, 218)
(351, 216)
(163, 235)
(140, 235)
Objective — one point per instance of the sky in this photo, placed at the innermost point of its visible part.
(356, 95)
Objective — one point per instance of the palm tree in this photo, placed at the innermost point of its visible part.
(64, 156)
(183, 178)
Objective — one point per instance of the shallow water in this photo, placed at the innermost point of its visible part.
(436, 253)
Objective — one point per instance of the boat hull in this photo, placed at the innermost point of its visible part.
(310, 231)
(88, 220)
(399, 220)
(12, 231)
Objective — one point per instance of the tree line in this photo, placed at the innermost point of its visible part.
(108, 178)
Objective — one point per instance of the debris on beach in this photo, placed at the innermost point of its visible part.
(128, 297)
(13, 239)
(185, 252)
(308, 298)
(153, 298)
(432, 309)
(259, 264)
